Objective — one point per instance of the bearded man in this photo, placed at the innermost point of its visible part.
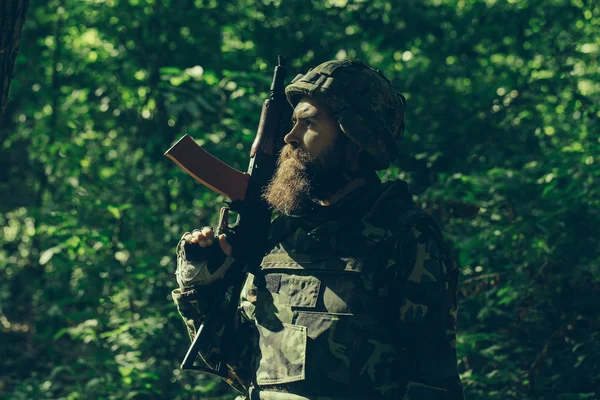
(355, 297)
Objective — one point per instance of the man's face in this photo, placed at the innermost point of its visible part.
(314, 129)
(311, 164)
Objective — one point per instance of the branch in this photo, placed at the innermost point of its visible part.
(11, 25)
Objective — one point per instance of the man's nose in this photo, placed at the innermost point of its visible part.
(293, 136)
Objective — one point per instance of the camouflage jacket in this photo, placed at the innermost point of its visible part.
(353, 301)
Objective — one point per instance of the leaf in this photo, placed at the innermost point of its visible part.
(48, 254)
(178, 80)
(122, 256)
(114, 211)
(60, 333)
(195, 72)
(170, 71)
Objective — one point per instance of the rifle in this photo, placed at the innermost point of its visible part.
(249, 235)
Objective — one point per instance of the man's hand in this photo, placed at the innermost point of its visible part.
(200, 261)
(206, 236)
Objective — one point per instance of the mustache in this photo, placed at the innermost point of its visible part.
(289, 152)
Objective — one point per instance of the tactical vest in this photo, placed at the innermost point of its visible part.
(321, 332)
(316, 325)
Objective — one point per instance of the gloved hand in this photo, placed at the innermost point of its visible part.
(205, 237)
(202, 259)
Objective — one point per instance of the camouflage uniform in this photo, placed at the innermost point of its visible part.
(356, 300)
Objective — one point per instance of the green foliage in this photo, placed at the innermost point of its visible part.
(502, 145)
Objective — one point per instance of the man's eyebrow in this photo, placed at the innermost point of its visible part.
(312, 114)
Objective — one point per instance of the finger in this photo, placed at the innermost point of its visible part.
(187, 237)
(194, 238)
(206, 236)
(225, 246)
(209, 234)
(197, 236)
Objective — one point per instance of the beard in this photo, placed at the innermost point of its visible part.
(301, 180)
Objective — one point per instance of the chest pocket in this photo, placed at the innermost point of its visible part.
(333, 285)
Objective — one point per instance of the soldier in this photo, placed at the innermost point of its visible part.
(355, 297)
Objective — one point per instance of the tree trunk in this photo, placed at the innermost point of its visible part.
(12, 16)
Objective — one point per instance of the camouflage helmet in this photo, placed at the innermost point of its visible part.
(361, 99)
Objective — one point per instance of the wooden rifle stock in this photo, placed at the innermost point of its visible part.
(208, 169)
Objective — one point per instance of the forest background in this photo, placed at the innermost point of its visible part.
(502, 146)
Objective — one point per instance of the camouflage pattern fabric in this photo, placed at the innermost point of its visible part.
(193, 303)
(354, 301)
(361, 99)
